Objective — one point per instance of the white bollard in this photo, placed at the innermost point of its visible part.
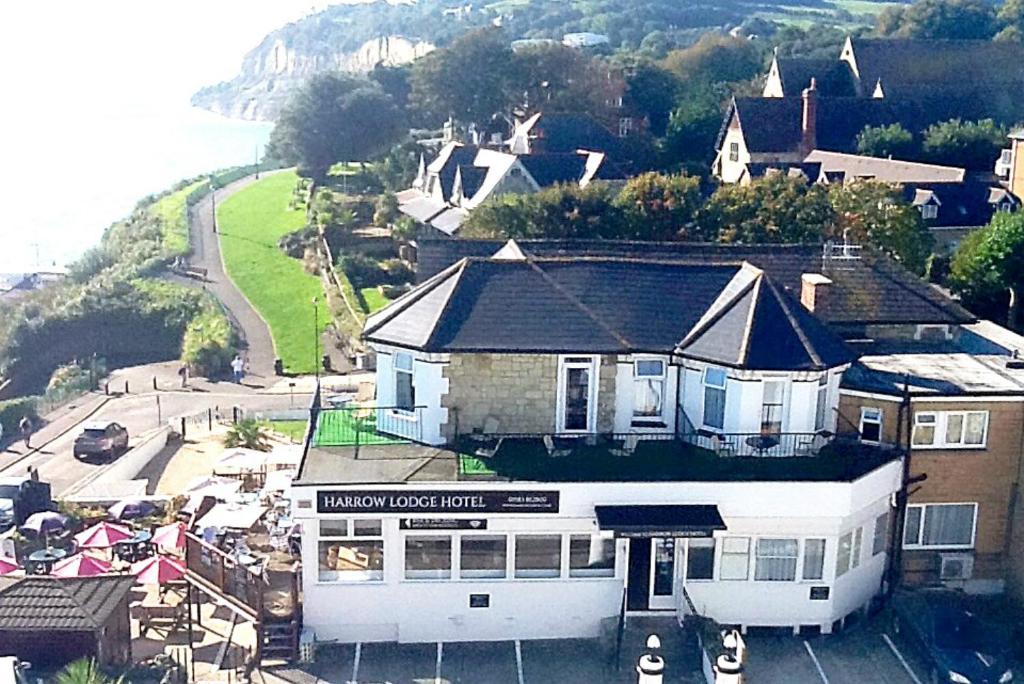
(728, 670)
(733, 641)
(651, 668)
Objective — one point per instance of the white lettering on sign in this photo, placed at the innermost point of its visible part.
(437, 502)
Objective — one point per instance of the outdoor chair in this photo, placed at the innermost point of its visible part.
(628, 446)
(554, 450)
(721, 446)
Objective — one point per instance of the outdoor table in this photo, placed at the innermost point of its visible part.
(762, 443)
(43, 560)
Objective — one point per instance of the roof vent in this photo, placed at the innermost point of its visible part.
(1015, 362)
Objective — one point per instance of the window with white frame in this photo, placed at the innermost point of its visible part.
(735, 562)
(648, 388)
(870, 424)
(929, 211)
(714, 398)
(591, 555)
(878, 542)
(950, 429)
(538, 555)
(821, 407)
(814, 559)
(771, 407)
(405, 391)
(949, 526)
(843, 554)
(776, 560)
(625, 126)
(734, 151)
(700, 559)
(428, 557)
(350, 554)
(483, 556)
(855, 551)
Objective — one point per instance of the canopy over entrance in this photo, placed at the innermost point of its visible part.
(660, 520)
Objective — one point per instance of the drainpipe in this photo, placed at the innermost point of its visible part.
(903, 436)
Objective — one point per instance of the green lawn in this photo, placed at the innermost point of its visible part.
(345, 427)
(250, 222)
(375, 301)
(295, 430)
(171, 210)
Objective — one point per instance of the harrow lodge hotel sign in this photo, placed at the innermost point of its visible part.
(451, 501)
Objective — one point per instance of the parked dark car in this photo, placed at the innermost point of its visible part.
(955, 643)
(106, 439)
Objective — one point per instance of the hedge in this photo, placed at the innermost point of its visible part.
(13, 410)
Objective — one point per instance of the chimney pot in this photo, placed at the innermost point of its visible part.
(809, 119)
(815, 291)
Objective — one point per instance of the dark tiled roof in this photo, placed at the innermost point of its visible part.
(462, 155)
(808, 170)
(550, 168)
(58, 604)
(472, 178)
(571, 132)
(959, 204)
(729, 313)
(833, 78)
(873, 289)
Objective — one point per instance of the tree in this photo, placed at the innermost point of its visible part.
(249, 434)
(990, 262)
(940, 19)
(1011, 15)
(651, 91)
(334, 118)
(775, 208)
(971, 144)
(875, 213)
(659, 207)
(716, 59)
(693, 127)
(887, 141)
(85, 671)
(560, 211)
(469, 80)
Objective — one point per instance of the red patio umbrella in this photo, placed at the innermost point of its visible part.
(81, 565)
(158, 570)
(170, 537)
(102, 535)
(7, 566)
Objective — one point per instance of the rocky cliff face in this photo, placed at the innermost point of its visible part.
(279, 64)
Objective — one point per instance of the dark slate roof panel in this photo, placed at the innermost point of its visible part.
(723, 341)
(833, 78)
(58, 604)
(548, 169)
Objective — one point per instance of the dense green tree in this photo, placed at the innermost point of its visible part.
(939, 19)
(989, 267)
(470, 80)
(556, 78)
(394, 80)
(651, 91)
(560, 211)
(1011, 16)
(876, 214)
(971, 144)
(659, 207)
(334, 118)
(887, 141)
(693, 126)
(775, 208)
(716, 59)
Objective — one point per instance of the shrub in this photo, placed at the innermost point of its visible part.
(71, 377)
(208, 344)
(13, 410)
(249, 434)
(294, 244)
(363, 271)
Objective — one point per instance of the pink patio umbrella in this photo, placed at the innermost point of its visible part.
(81, 565)
(102, 535)
(170, 537)
(158, 570)
(7, 566)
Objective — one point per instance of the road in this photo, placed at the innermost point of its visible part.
(138, 413)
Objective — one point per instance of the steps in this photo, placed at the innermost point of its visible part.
(280, 640)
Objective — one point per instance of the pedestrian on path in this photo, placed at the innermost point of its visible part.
(183, 373)
(238, 368)
(25, 425)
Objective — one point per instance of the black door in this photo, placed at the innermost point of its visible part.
(638, 591)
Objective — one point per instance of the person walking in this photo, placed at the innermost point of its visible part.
(238, 368)
(25, 425)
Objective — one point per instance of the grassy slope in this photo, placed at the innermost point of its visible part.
(375, 301)
(171, 210)
(250, 223)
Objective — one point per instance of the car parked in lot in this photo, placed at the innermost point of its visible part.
(955, 644)
(106, 439)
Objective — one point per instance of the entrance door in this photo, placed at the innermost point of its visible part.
(638, 589)
(577, 391)
(663, 573)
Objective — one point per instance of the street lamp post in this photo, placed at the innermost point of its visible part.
(316, 339)
(213, 204)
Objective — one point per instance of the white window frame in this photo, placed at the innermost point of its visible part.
(566, 363)
(844, 567)
(941, 547)
(880, 537)
(658, 417)
(729, 546)
(781, 405)
(410, 371)
(821, 404)
(758, 557)
(803, 560)
(929, 211)
(858, 547)
(481, 575)
(941, 422)
(734, 151)
(352, 576)
(724, 387)
(880, 421)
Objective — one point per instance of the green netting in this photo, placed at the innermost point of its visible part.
(349, 427)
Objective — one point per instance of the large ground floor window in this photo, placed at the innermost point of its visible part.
(944, 526)
(350, 550)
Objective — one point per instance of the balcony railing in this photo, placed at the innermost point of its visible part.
(757, 444)
(367, 425)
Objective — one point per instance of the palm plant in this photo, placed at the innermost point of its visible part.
(85, 671)
(250, 434)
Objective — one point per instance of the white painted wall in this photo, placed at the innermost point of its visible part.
(624, 375)
(406, 610)
(430, 385)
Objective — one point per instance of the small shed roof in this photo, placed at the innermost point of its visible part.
(55, 604)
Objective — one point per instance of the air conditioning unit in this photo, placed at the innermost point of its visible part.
(955, 567)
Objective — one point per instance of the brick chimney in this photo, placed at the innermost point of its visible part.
(809, 121)
(815, 291)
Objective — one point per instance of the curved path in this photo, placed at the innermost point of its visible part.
(257, 343)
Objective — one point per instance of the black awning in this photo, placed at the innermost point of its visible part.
(660, 520)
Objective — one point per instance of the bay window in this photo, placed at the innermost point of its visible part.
(771, 407)
(814, 559)
(843, 554)
(821, 406)
(714, 398)
(405, 390)
(776, 560)
(881, 534)
(648, 388)
(949, 526)
(950, 429)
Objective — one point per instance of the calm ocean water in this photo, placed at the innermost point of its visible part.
(86, 172)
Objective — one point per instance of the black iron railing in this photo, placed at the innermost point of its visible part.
(367, 425)
(759, 444)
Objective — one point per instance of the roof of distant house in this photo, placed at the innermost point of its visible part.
(886, 170)
(940, 372)
(53, 604)
(729, 313)
(832, 77)
(872, 289)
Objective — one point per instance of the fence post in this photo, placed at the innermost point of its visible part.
(154, 382)
(126, 387)
(234, 414)
(209, 419)
(106, 388)
(183, 428)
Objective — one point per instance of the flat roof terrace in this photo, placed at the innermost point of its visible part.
(529, 459)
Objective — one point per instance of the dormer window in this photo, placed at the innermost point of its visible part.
(929, 211)
(1006, 207)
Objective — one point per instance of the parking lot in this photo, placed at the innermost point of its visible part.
(863, 652)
